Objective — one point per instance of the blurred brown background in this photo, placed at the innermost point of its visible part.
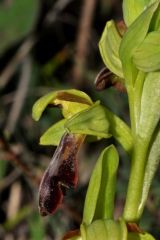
(46, 45)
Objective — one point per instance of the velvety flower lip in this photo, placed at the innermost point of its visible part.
(60, 175)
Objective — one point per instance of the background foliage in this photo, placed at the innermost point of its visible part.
(49, 45)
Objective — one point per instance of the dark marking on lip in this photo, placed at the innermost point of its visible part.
(72, 98)
(60, 175)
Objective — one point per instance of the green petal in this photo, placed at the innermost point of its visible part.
(72, 101)
(109, 48)
(99, 201)
(54, 134)
(147, 55)
(41, 104)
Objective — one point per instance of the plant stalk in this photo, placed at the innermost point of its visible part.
(135, 186)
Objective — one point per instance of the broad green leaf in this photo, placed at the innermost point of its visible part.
(132, 9)
(92, 121)
(147, 56)
(104, 229)
(99, 202)
(140, 236)
(16, 20)
(109, 48)
(100, 122)
(151, 167)
(150, 103)
(54, 134)
(133, 37)
(72, 101)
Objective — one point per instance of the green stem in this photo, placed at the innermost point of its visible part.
(135, 186)
(130, 91)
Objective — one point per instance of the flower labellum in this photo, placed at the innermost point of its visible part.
(60, 174)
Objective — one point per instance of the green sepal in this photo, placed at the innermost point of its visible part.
(54, 134)
(104, 229)
(133, 37)
(99, 202)
(140, 236)
(132, 9)
(92, 121)
(99, 121)
(147, 55)
(109, 48)
(151, 167)
(72, 101)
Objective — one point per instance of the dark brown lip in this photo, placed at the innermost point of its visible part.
(60, 175)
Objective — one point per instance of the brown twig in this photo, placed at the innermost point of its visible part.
(22, 51)
(19, 96)
(54, 12)
(84, 33)
(12, 157)
(14, 201)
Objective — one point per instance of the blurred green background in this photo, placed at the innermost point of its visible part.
(46, 45)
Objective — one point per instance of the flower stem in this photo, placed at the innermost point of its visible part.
(135, 186)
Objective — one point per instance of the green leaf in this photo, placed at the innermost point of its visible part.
(99, 202)
(36, 227)
(104, 229)
(99, 121)
(147, 55)
(17, 20)
(139, 236)
(54, 134)
(109, 48)
(132, 9)
(92, 121)
(72, 101)
(151, 167)
(133, 37)
(150, 103)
